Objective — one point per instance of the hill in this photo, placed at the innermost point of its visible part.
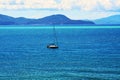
(49, 20)
(112, 20)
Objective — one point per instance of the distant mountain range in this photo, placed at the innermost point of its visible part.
(49, 20)
(57, 20)
(112, 20)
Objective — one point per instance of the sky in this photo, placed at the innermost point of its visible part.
(74, 9)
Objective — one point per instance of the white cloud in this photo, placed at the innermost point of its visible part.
(117, 3)
(82, 5)
(65, 4)
(86, 5)
(27, 4)
(106, 4)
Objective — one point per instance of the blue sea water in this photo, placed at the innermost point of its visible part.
(89, 53)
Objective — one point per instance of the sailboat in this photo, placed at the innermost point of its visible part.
(55, 44)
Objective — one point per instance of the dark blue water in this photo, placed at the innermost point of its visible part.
(83, 54)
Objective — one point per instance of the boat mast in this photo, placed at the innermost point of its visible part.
(55, 35)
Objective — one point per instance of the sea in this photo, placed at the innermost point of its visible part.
(84, 53)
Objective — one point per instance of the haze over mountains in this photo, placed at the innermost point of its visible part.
(111, 20)
(57, 20)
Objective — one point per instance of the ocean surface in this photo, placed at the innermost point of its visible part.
(89, 53)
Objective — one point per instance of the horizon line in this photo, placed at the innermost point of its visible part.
(63, 27)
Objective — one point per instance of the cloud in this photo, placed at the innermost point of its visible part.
(117, 4)
(82, 5)
(27, 4)
(86, 5)
(98, 5)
